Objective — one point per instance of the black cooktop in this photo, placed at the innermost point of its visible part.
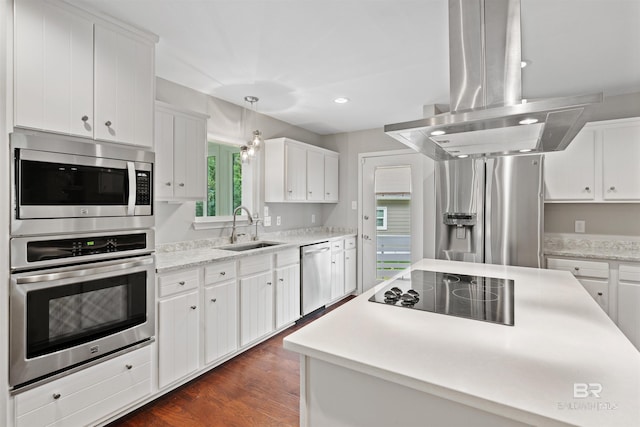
(475, 297)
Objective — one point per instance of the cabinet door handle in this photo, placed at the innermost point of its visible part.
(168, 184)
(576, 268)
(281, 279)
(85, 118)
(193, 307)
(56, 396)
(269, 283)
(181, 283)
(290, 190)
(222, 273)
(107, 123)
(328, 194)
(612, 188)
(587, 189)
(599, 294)
(213, 299)
(181, 184)
(128, 366)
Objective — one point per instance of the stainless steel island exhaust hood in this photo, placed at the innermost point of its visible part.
(488, 116)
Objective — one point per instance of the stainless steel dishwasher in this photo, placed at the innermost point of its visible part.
(316, 276)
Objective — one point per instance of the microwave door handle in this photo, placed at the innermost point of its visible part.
(131, 204)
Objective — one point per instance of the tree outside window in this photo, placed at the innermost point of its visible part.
(224, 181)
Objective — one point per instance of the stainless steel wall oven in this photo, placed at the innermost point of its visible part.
(69, 306)
(65, 184)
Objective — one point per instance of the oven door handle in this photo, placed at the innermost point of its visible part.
(131, 204)
(105, 267)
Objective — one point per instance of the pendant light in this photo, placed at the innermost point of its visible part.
(255, 139)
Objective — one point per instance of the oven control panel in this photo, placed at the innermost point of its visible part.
(64, 248)
(143, 187)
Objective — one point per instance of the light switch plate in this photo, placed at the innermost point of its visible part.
(278, 220)
(313, 218)
(266, 212)
(267, 221)
(354, 205)
(580, 226)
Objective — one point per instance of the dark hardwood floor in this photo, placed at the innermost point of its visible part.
(260, 387)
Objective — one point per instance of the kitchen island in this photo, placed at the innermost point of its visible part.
(563, 362)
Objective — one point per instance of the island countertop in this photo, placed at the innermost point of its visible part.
(526, 372)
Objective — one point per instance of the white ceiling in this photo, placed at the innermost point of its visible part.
(389, 57)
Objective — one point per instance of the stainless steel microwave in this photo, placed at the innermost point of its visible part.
(65, 184)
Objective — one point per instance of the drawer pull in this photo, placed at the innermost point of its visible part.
(56, 396)
(85, 118)
(181, 184)
(576, 268)
(587, 189)
(269, 283)
(168, 184)
(213, 299)
(612, 188)
(193, 307)
(107, 123)
(181, 283)
(281, 279)
(222, 273)
(599, 294)
(128, 366)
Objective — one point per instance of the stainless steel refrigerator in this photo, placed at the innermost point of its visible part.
(490, 210)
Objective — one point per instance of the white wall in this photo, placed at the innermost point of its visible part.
(174, 221)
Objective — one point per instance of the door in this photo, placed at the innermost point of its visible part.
(256, 307)
(315, 175)
(349, 271)
(221, 320)
(570, 174)
(514, 209)
(164, 155)
(621, 153)
(296, 178)
(413, 245)
(287, 295)
(331, 178)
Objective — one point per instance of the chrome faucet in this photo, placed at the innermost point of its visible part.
(234, 235)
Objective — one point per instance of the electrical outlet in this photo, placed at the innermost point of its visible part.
(266, 221)
(580, 226)
(313, 218)
(266, 211)
(354, 205)
(278, 220)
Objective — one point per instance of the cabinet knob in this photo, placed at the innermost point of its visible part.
(612, 188)
(128, 366)
(193, 307)
(222, 273)
(213, 299)
(107, 123)
(168, 184)
(347, 258)
(290, 190)
(599, 294)
(576, 268)
(281, 279)
(85, 118)
(333, 262)
(328, 194)
(269, 283)
(56, 396)
(181, 184)
(587, 189)
(181, 283)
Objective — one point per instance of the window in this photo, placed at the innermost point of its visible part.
(224, 181)
(381, 218)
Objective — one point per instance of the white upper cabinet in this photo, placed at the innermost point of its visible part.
(331, 173)
(570, 174)
(180, 141)
(53, 69)
(621, 162)
(600, 165)
(299, 172)
(78, 74)
(124, 88)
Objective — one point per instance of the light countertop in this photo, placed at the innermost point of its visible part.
(526, 372)
(194, 257)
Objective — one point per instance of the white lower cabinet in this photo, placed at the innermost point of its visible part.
(337, 275)
(593, 275)
(629, 302)
(88, 396)
(220, 320)
(287, 295)
(350, 270)
(178, 330)
(256, 307)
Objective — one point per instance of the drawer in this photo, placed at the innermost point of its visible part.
(599, 291)
(350, 243)
(288, 257)
(337, 245)
(89, 395)
(580, 268)
(173, 283)
(630, 272)
(255, 264)
(219, 272)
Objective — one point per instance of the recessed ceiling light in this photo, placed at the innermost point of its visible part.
(463, 156)
(341, 100)
(525, 150)
(528, 121)
(437, 133)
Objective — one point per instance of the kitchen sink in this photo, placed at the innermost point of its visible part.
(249, 246)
